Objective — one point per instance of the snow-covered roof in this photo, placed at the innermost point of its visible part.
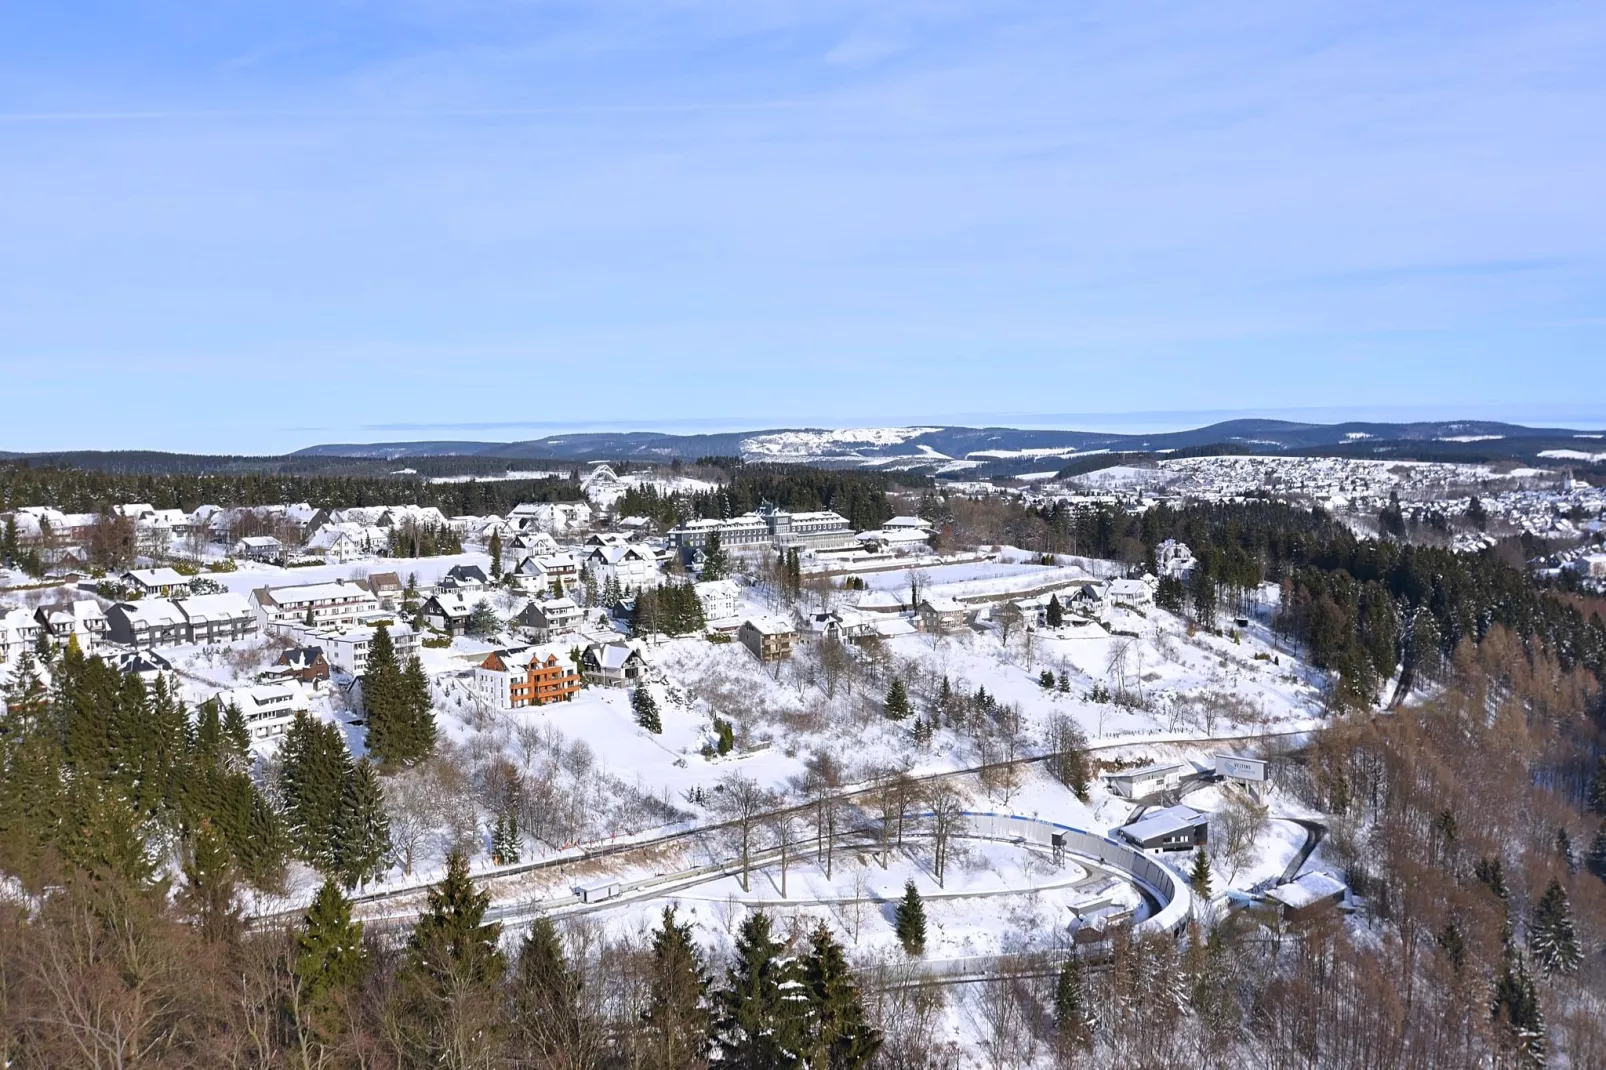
(770, 625)
(209, 607)
(313, 592)
(456, 603)
(154, 612)
(1156, 769)
(155, 577)
(1311, 888)
(1161, 823)
(907, 522)
(943, 605)
(265, 700)
(612, 656)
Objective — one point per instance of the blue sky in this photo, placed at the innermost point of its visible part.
(252, 226)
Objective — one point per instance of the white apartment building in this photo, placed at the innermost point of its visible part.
(331, 604)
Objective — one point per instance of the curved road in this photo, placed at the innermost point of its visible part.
(593, 853)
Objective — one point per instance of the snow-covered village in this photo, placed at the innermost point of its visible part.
(719, 535)
(977, 735)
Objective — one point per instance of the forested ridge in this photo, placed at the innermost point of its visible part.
(77, 490)
(1363, 607)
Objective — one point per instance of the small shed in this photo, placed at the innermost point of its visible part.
(1136, 783)
(598, 891)
(1310, 895)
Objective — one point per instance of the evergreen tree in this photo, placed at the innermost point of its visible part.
(330, 960)
(1597, 787)
(546, 998)
(496, 554)
(314, 767)
(1551, 934)
(646, 710)
(1054, 615)
(1073, 1017)
(483, 621)
(210, 887)
(505, 841)
(909, 920)
(30, 769)
(1516, 1007)
(1199, 876)
(382, 700)
(453, 968)
(761, 1022)
(842, 1037)
(363, 839)
(236, 737)
(1564, 851)
(897, 706)
(1597, 853)
(1045, 680)
(715, 564)
(420, 711)
(677, 1017)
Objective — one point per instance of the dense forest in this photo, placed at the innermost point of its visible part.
(78, 490)
(1367, 609)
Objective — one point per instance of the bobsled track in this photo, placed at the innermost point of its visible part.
(1165, 891)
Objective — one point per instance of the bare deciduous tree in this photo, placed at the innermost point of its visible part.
(741, 802)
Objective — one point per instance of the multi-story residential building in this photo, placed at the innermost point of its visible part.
(555, 616)
(550, 516)
(631, 567)
(449, 611)
(347, 648)
(719, 599)
(82, 620)
(330, 604)
(513, 679)
(18, 631)
(557, 573)
(217, 618)
(615, 664)
(941, 616)
(148, 622)
(268, 708)
(769, 638)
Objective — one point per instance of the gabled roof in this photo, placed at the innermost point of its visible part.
(769, 625)
(156, 577)
(151, 612)
(204, 608)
